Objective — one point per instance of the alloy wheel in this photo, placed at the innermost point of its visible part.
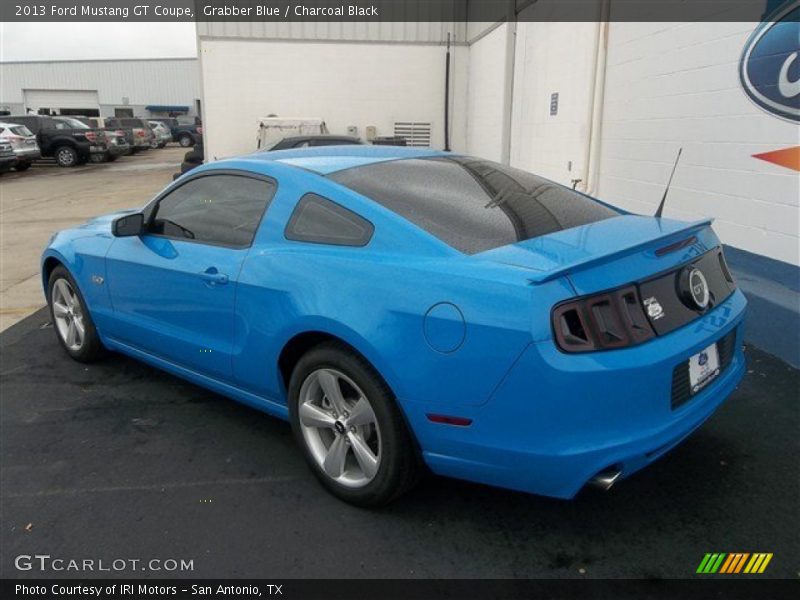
(339, 428)
(68, 315)
(65, 157)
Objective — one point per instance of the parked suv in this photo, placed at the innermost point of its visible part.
(161, 134)
(185, 133)
(142, 134)
(22, 141)
(66, 139)
(120, 139)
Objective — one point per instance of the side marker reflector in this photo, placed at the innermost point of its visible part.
(450, 420)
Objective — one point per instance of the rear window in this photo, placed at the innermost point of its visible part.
(70, 122)
(472, 204)
(132, 122)
(20, 130)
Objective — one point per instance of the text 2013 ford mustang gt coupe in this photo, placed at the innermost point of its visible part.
(403, 306)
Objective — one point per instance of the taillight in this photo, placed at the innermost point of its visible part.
(601, 322)
(139, 132)
(91, 136)
(120, 133)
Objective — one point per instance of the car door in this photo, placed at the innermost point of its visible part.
(173, 288)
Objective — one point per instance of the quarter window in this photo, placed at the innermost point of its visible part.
(318, 220)
(223, 210)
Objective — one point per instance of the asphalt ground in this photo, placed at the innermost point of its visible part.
(119, 460)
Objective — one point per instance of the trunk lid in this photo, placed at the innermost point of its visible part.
(608, 253)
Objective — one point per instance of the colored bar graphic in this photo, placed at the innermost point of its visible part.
(765, 563)
(749, 567)
(717, 564)
(732, 558)
(703, 563)
(741, 562)
(723, 563)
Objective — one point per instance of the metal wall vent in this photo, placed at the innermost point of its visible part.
(415, 133)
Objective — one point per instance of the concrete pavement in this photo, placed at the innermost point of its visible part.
(38, 202)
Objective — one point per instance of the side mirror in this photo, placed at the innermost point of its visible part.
(129, 225)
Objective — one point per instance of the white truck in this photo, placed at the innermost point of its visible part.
(273, 129)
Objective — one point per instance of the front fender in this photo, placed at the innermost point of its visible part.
(83, 254)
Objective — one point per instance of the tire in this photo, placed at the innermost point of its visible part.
(162, 144)
(99, 158)
(67, 156)
(367, 479)
(195, 155)
(113, 157)
(24, 166)
(86, 348)
(187, 166)
(185, 141)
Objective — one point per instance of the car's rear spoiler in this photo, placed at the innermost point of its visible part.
(586, 263)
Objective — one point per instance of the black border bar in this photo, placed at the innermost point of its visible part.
(386, 10)
(707, 588)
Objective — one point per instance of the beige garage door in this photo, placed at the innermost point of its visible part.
(56, 100)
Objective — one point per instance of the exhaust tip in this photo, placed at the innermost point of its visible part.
(606, 479)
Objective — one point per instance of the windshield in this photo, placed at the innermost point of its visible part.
(473, 204)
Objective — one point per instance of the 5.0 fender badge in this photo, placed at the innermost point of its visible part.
(97, 279)
(653, 307)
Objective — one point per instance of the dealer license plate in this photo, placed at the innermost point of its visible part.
(703, 368)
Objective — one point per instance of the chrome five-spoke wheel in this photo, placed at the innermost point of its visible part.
(339, 427)
(68, 315)
(71, 319)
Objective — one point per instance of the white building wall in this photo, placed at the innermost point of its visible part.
(345, 83)
(676, 84)
(486, 94)
(142, 82)
(553, 58)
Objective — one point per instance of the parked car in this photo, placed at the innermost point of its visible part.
(66, 139)
(187, 131)
(7, 156)
(124, 134)
(161, 134)
(22, 141)
(306, 141)
(117, 144)
(272, 129)
(401, 306)
(142, 134)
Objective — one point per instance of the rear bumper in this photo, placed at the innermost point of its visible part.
(556, 420)
(117, 150)
(28, 154)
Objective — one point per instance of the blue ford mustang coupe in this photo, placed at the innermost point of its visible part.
(408, 307)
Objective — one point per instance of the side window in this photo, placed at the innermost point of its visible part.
(216, 209)
(320, 221)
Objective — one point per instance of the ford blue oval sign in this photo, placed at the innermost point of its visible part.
(770, 65)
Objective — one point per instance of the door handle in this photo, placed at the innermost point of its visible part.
(214, 277)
